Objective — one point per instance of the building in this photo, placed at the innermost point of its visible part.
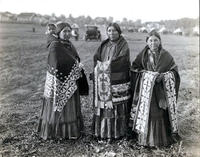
(178, 31)
(7, 17)
(26, 17)
(195, 30)
(143, 30)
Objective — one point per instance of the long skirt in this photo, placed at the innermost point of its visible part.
(111, 123)
(66, 124)
(159, 133)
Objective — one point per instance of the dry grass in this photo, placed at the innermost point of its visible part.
(23, 66)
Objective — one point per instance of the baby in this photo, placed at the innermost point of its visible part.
(51, 29)
(51, 33)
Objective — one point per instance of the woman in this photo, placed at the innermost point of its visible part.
(155, 82)
(61, 112)
(111, 85)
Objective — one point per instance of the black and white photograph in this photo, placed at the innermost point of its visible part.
(99, 78)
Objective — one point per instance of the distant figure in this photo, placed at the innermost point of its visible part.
(33, 29)
(111, 86)
(61, 116)
(155, 83)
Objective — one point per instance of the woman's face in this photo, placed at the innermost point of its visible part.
(153, 42)
(65, 34)
(112, 33)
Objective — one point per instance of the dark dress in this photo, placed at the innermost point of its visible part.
(61, 111)
(159, 130)
(111, 86)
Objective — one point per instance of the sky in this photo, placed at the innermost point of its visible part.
(146, 10)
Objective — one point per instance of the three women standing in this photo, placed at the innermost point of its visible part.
(154, 83)
(61, 112)
(111, 85)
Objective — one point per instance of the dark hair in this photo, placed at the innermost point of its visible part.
(51, 25)
(116, 26)
(61, 25)
(153, 33)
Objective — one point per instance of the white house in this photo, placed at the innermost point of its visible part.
(195, 30)
(153, 26)
(163, 30)
(7, 17)
(178, 31)
(39, 19)
(143, 30)
(25, 17)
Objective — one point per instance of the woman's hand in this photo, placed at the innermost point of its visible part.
(159, 77)
(109, 106)
(81, 65)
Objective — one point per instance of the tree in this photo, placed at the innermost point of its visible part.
(71, 19)
(80, 20)
(53, 15)
(62, 17)
(100, 20)
(110, 19)
(138, 23)
(88, 20)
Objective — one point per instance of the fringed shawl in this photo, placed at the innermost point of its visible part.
(166, 91)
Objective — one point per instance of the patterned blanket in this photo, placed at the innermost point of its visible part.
(170, 92)
(140, 112)
(105, 92)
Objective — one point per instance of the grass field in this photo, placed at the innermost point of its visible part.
(23, 57)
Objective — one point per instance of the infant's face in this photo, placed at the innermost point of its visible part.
(50, 30)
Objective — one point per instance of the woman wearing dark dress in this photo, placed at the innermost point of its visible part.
(61, 111)
(111, 86)
(155, 84)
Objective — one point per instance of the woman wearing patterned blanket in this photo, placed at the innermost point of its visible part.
(155, 84)
(61, 111)
(111, 86)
